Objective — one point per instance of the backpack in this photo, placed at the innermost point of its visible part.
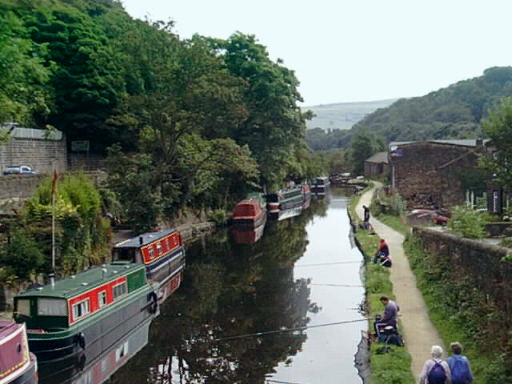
(460, 370)
(437, 375)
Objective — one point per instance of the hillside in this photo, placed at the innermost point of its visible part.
(343, 115)
(452, 112)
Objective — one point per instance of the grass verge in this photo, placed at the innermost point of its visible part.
(392, 366)
(394, 222)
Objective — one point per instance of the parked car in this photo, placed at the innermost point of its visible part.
(19, 170)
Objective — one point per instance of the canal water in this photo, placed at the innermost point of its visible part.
(273, 306)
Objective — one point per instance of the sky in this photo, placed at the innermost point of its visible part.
(356, 50)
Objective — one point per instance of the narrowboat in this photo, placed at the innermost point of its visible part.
(97, 365)
(320, 186)
(287, 213)
(163, 255)
(17, 364)
(285, 199)
(306, 193)
(249, 213)
(100, 305)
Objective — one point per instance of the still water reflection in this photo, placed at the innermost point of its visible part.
(303, 271)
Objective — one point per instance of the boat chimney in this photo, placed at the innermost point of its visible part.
(103, 272)
(52, 279)
(141, 240)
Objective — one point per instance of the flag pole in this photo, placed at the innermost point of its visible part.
(54, 185)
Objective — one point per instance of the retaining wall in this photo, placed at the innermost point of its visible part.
(484, 263)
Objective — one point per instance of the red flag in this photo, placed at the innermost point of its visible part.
(54, 181)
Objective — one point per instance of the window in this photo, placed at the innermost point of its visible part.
(80, 309)
(102, 299)
(52, 307)
(119, 290)
(23, 307)
(151, 252)
(158, 248)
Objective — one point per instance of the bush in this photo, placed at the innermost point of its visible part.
(468, 223)
(21, 256)
(218, 216)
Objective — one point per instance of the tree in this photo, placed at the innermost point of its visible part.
(363, 146)
(498, 127)
(24, 96)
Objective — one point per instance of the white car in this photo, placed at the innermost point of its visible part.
(19, 170)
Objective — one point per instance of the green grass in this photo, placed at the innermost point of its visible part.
(395, 222)
(394, 366)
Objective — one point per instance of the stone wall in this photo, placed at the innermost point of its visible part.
(42, 155)
(427, 174)
(482, 262)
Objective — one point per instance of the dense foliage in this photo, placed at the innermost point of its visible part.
(455, 112)
(499, 129)
(452, 112)
(195, 122)
(467, 222)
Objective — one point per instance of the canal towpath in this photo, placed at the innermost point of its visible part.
(418, 331)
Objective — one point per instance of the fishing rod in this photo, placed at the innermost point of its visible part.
(339, 262)
(339, 285)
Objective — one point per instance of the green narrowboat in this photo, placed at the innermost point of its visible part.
(100, 305)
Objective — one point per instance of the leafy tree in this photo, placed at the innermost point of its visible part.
(499, 129)
(363, 146)
(21, 255)
(24, 97)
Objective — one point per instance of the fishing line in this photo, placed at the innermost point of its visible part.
(339, 285)
(283, 330)
(280, 382)
(339, 262)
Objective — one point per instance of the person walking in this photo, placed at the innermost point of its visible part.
(459, 365)
(435, 370)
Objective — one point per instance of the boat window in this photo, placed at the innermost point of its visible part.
(119, 290)
(52, 307)
(151, 252)
(81, 309)
(158, 248)
(23, 307)
(102, 298)
(124, 254)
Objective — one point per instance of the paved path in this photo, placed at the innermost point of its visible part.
(418, 331)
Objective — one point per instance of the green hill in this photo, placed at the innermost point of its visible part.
(452, 112)
(343, 115)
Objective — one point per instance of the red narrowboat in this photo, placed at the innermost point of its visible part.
(163, 255)
(17, 364)
(249, 213)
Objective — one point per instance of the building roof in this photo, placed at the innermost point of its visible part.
(31, 133)
(461, 142)
(380, 157)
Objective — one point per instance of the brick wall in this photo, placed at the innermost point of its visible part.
(41, 155)
(427, 174)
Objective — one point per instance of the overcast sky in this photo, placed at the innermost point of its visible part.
(357, 50)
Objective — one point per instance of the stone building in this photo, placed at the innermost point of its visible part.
(43, 150)
(430, 174)
(376, 165)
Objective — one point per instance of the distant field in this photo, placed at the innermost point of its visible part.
(343, 115)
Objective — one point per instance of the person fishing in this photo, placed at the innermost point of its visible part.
(382, 254)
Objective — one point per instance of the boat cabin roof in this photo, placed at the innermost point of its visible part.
(147, 238)
(83, 281)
